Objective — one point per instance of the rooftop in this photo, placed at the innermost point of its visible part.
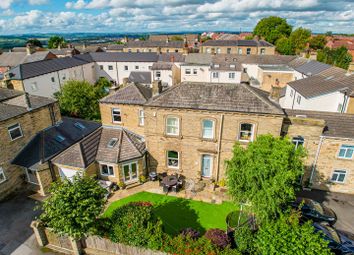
(281, 68)
(11, 59)
(140, 77)
(131, 94)
(148, 44)
(250, 43)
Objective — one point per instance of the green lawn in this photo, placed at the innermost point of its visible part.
(179, 213)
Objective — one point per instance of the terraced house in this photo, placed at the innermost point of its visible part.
(187, 128)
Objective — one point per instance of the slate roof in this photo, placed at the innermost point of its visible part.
(198, 58)
(162, 66)
(225, 63)
(9, 93)
(124, 56)
(216, 97)
(115, 47)
(17, 105)
(136, 94)
(172, 57)
(328, 81)
(129, 145)
(337, 124)
(147, 44)
(250, 43)
(11, 59)
(312, 68)
(29, 70)
(45, 145)
(140, 77)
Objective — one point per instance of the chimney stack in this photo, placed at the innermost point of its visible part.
(29, 49)
(28, 102)
(275, 93)
(156, 88)
(172, 58)
(167, 39)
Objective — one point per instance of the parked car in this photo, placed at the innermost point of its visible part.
(313, 210)
(339, 242)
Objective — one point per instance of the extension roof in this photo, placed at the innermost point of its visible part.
(135, 94)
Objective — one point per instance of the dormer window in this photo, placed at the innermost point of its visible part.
(112, 142)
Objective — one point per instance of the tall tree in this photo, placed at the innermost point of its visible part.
(284, 46)
(80, 99)
(318, 42)
(56, 41)
(339, 57)
(265, 175)
(73, 206)
(287, 236)
(272, 28)
(299, 38)
(35, 42)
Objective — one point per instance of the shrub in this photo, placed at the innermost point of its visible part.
(135, 224)
(218, 237)
(192, 233)
(182, 245)
(244, 238)
(142, 178)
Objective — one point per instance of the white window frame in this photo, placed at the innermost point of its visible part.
(158, 74)
(2, 173)
(248, 51)
(141, 117)
(215, 75)
(339, 172)
(345, 151)
(211, 165)
(108, 167)
(263, 50)
(232, 75)
(28, 179)
(187, 71)
(9, 131)
(228, 50)
(239, 51)
(34, 86)
(178, 160)
(172, 134)
(252, 132)
(212, 129)
(298, 141)
(218, 51)
(116, 114)
(208, 50)
(130, 170)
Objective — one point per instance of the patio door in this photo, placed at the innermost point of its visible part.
(207, 162)
(130, 172)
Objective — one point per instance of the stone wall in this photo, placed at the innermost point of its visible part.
(190, 144)
(31, 123)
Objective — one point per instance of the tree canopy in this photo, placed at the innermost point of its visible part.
(73, 206)
(318, 42)
(56, 41)
(299, 38)
(272, 28)
(287, 236)
(265, 175)
(35, 42)
(284, 46)
(80, 99)
(339, 57)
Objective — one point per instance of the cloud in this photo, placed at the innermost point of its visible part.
(38, 2)
(5, 4)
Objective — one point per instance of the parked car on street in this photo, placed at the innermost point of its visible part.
(339, 242)
(313, 210)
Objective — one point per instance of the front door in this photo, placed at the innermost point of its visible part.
(130, 172)
(206, 165)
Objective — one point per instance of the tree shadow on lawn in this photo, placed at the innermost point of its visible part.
(177, 215)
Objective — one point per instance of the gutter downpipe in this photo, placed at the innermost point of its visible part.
(316, 158)
(219, 146)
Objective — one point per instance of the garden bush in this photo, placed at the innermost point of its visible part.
(135, 224)
(192, 233)
(218, 237)
(182, 245)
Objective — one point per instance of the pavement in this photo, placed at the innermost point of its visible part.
(341, 204)
(16, 235)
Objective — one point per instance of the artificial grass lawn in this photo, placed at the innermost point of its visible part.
(179, 213)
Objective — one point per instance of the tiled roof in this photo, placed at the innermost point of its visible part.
(46, 145)
(198, 58)
(171, 57)
(328, 81)
(147, 44)
(128, 146)
(17, 105)
(131, 94)
(11, 59)
(124, 56)
(29, 70)
(8, 93)
(162, 66)
(312, 68)
(216, 97)
(140, 77)
(250, 43)
(337, 124)
(115, 47)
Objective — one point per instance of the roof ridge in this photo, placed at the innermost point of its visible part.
(119, 146)
(130, 141)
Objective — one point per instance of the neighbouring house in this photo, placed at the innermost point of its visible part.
(65, 52)
(46, 77)
(240, 47)
(347, 42)
(156, 46)
(330, 90)
(329, 140)
(191, 128)
(11, 59)
(113, 154)
(115, 48)
(22, 116)
(226, 36)
(191, 39)
(35, 159)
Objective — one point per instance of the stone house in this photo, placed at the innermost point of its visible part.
(187, 128)
(240, 47)
(21, 117)
(157, 46)
(329, 140)
(35, 159)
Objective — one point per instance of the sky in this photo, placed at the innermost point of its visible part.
(65, 16)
